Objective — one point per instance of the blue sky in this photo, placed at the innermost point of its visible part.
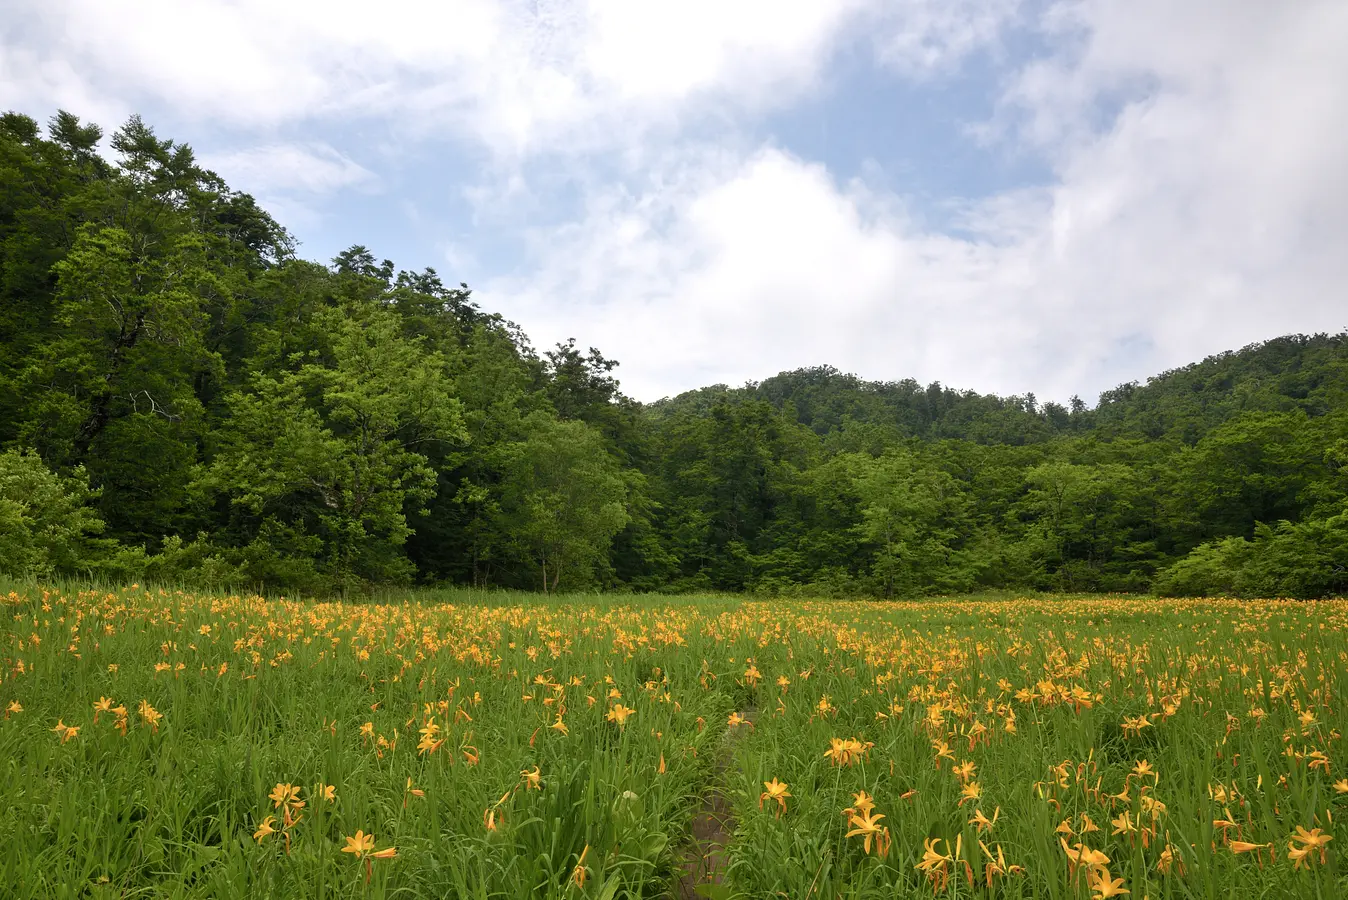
(1006, 195)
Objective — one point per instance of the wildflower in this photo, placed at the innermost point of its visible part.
(13, 709)
(490, 819)
(103, 705)
(149, 715)
(580, 871)
(264, 828)
(845, 751)
(971, 791)
(775, 790)
(1341, 786)
(533, 780)
(1246, 846)
(1104, 886)
(1081, 855)
(997, 866)
(983, 823)
(862, 802)
(67, 732)
(736, 719)
(935, 865)
(1134, 725)
(360, 844)
(1310, 842)
(285, 795)
(415, 792)
(1168, 860)
(1224, 824)
(619, 714)
(328, 792)
(867, 826)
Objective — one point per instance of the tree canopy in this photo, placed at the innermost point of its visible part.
(182, 397)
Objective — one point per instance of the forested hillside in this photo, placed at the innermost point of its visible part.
(183, 398)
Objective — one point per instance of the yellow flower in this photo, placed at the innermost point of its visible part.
(1081, 855)
(264, 828)
(934, 865)
(983, 823)
(1310, 842)
(1104, 886)
(533, 780)
(619, 714)
(971, 791)
(1169, 860)
(775, 790)
(14, 708)
(1246, 846)
(285, 794)
(867, 826)
(360, 844)
(328, 792)
(579, 872)
(149, 715)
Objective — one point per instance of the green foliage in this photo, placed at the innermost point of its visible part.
(1307, 559)
(46, 525)
(329, 448)
(563, 501)
(240, 416)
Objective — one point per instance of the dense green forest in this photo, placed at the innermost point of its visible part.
(183, 398)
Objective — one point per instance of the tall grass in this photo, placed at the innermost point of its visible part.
(1243, 724)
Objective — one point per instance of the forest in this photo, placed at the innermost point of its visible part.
(184, 399)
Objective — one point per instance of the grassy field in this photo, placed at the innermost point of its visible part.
(159, 743)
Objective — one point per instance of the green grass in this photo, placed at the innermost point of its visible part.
(172, 811)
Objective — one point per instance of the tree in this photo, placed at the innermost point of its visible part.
(914, 516)
(332, 447)
(46, 525)
(563, 500)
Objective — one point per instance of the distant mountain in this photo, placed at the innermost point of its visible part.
(1309, 372)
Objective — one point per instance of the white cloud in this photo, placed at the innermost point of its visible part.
(1209, 213)
(295, 182)
(519, 75)
(921, 36)
(310, 168)
(1198, 199)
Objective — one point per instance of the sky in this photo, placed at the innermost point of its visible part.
(1009, 196)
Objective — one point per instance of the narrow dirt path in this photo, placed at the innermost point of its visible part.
(705, 858)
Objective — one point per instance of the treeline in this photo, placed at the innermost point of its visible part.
(183, 398)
